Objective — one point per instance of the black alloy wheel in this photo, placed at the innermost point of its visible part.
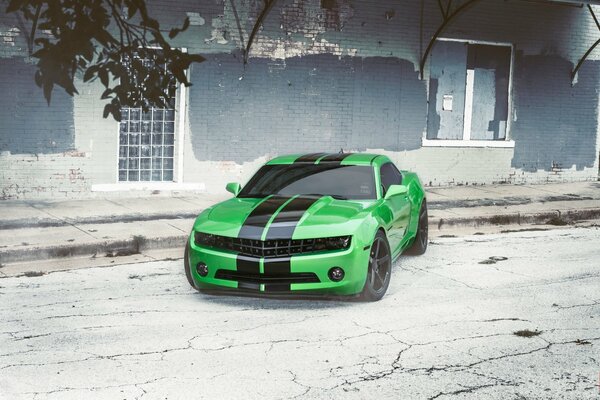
(419, 245)
(380, 269)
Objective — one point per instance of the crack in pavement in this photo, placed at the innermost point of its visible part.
(95, 388)
(429, 337)
(444, 276)
(113, 357)
(396, 365)
(592, 304)
(468, 389)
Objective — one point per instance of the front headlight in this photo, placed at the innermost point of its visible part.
(205, 239)
(337, 243)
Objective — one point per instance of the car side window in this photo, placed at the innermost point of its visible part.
(389, 176)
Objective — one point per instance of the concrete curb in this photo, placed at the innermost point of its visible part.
(138, 244)
(104, 219)
(555, 217)
(107, 248)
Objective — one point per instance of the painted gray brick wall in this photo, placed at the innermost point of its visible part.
(324, 103)
(305, 104)
(317, 81)
(556, 123)
(29, 125)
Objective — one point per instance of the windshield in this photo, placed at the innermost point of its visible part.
(351, 182)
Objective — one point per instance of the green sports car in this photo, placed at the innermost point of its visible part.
(311, 224)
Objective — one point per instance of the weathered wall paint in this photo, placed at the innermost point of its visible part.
(374, 45)
(29, 125)
(308, 103)
(555, 124)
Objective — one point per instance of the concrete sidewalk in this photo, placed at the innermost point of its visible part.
(41, 230)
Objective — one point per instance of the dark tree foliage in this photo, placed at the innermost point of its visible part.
(115, 41)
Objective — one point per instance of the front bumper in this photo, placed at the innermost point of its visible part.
(298, 274)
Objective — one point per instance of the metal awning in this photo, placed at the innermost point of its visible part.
(575, 2)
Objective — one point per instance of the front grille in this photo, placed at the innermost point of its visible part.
(263, 248)
(289, 278)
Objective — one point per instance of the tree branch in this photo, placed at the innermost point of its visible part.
(34, 24)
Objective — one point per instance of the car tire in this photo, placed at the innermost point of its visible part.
(186, 265)
(419, 245)
(379, 270)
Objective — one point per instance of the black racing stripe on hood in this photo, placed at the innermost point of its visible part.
(311, 157)
(277, 267)
(335, 158)
(287, 219)
(258, 218)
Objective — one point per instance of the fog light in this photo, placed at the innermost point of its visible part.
(336, 274)
(202, 269)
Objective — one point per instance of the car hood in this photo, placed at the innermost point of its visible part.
(311, 217)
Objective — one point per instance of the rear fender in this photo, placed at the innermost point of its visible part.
(416, 196)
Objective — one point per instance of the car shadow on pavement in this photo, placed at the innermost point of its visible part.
(277, 301)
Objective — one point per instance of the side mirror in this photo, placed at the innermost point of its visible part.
(233, 187)
(395, 190)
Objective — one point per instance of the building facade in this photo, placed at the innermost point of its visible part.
(494, 100)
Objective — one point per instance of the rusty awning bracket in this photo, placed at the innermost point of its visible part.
(592, 47)
(447, 17)
(267, 5)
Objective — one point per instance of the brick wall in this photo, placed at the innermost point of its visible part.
(318, 78)
(554, 124)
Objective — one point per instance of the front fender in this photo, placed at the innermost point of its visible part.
(368, 229)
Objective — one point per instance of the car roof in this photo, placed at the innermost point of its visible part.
(321, 158)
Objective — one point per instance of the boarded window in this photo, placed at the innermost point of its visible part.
(468, 91)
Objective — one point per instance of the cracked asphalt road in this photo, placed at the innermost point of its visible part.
(444, 330)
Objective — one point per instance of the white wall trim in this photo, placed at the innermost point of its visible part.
(145, 185)
(180, 136)
(467, 143)
(468, 110)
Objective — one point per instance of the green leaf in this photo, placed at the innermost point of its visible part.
(15, 5)
(88, 51)
(89, 73)
(175, 31)
(116, 113)
(107, 110)
(151, 23)
(195, 58)
(106, 94)
(38, 78)
(103, 75)
(131, 10)
(48, 85)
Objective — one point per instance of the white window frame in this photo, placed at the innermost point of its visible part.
(466, 140)
(181, 100)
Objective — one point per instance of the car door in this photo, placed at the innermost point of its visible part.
(399, 205)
